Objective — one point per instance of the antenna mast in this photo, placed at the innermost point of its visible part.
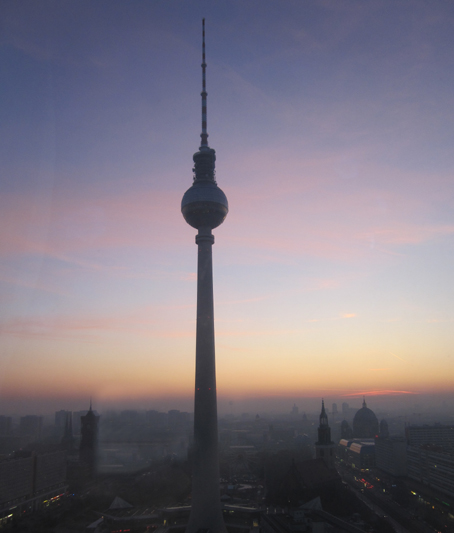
(204, 134)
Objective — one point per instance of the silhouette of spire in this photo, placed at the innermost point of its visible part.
(364, 401)
(88, 442)
(323, 415)
(324, 446)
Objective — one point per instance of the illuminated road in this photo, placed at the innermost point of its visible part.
(402, 520)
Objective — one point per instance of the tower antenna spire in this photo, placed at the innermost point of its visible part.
(204, 134)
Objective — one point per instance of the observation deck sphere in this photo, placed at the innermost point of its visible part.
(204, 205)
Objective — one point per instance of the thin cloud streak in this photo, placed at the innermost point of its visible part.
(398, 357)
(379, 393)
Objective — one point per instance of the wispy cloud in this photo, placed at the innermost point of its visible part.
(382, 392)
(76, 224)
(35, 284)
(147, 321)
(398, 357)
(325, 221)
(190, 276)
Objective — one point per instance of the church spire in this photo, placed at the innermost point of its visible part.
(324, 446)
(323, 415)
(364, 401)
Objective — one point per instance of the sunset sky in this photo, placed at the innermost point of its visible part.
(333, 125)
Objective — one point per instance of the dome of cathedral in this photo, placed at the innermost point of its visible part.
(365, 423)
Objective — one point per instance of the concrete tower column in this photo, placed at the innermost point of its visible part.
(204, 207)
(206, 510)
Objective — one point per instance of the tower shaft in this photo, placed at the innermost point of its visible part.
(206, 510)
(204, 207)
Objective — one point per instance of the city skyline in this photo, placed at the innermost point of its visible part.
(332, 123)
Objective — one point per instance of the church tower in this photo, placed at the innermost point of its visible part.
(89, 441)
(324, 447)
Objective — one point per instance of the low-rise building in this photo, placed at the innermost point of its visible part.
(357, 453)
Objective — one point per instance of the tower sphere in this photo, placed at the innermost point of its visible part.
(204, 204)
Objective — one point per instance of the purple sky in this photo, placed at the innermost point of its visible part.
(334, 131)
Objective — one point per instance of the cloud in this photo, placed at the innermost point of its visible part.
(257, 332)
(246, 300)
(73, 224)
(147, 321)
(312, 212)
(35, 284)
(349, 315)
(389, 392)
(398, 357)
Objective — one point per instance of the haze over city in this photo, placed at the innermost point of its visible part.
(333, 129)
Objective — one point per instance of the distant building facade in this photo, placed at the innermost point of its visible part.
(437, 434)
(345, 409)
(60, 418)
(357, 453)
(31, 426)
(391, 455)
(178, 420)
(6, 425)
(431, 466)
(346, 431)
(294, 412)
(68, 441)
(28, 483)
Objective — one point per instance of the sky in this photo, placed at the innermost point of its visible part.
(333, 125)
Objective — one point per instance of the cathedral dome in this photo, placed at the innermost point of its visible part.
(365, 423)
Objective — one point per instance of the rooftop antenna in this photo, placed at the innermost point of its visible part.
(204, 134)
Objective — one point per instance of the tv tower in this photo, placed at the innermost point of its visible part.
(204, 207)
